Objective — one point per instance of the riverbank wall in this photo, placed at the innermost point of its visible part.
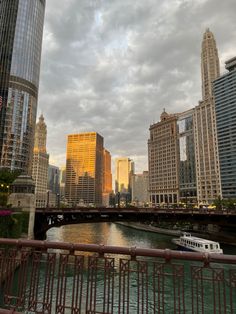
(143, 227)
(221, 237)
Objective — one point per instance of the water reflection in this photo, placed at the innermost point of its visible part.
(109, 234)
(117, 235)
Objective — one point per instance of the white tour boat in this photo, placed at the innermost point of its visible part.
(186, 242)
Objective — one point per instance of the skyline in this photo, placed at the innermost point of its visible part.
(112, 71)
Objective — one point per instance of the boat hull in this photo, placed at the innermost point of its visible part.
(187, 249)
(180, 247)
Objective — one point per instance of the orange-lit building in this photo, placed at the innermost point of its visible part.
(84, 168)
(107, 177)
(124, 169)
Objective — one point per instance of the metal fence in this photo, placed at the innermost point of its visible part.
(55, 277)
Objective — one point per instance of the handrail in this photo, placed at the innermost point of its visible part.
(133, 251)
(48, 281)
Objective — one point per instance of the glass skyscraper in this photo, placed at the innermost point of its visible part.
(21, 30)
(187, 167)
(84, 168)
(225, 106)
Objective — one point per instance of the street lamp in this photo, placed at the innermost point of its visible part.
(58, 200)
(186, 199)
(47, 199)
(118, 199)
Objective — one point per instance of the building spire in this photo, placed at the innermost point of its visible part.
(40, 136)
(209, 63)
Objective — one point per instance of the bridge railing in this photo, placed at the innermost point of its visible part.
(55, 277)
(137, 210)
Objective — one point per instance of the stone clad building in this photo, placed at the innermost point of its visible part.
(163, 161)
(205, 135)
(40, 163)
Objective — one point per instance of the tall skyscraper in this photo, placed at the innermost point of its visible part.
(124, 169)
(107, 177)
(21, 30)
(187, 166)
(210, 67)
(84, 168)
(62, 181)
(163, 161)
(139, 187)
(54, 179)
(225, 107)
(205, 136)
(40, 163)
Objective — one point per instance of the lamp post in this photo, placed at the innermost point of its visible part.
(58, 200)
(186, 199)
(118, 199)
(47, 199)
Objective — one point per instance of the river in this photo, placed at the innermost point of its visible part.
(117, 235)
(120, 235)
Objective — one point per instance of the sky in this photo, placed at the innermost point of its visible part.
(111, 66)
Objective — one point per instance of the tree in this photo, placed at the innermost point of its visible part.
(218, 203)
(7, 176)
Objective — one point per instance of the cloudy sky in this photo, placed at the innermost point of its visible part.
(111, 66)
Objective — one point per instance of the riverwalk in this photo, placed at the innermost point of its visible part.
(140, 226)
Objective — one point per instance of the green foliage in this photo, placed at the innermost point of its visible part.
(218, 203)
(7, 176)
(225, 203)
(12, 226)
(6, 223)
(3, 198)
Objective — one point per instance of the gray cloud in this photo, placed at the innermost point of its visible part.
(112, 66)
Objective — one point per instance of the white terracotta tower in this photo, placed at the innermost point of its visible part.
(40, 163)
(205, 135)
(209, 63)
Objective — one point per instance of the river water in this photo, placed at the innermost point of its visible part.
(120, 235)
(117, 235)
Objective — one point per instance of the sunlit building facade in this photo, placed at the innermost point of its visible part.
(225, 107)
(124, 168)
(205, 135)
(21, 30)
(84, 169)
(187, 166)
(163, 161)
(107, 178)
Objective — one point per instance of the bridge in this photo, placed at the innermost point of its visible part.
(46, 218)
(54, 277)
